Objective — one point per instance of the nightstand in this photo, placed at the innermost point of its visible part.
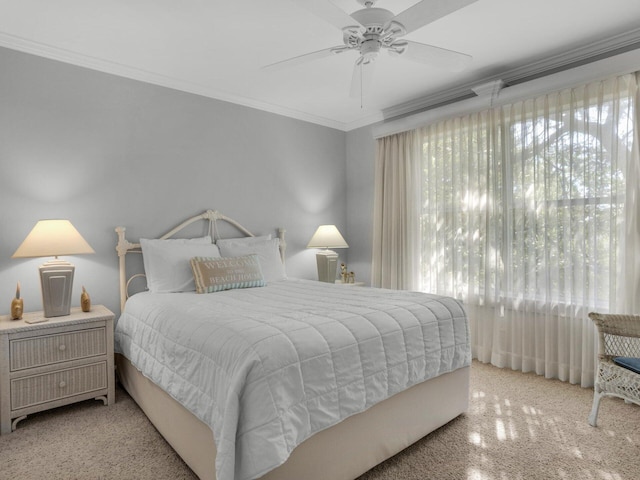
(61, 361)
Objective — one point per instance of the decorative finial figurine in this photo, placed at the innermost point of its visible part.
(17, 305)
(85, 300)
(343, 273)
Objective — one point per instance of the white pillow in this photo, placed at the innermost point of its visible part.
(166, 262)
(243, 240)
(267, 249)
(198, 240)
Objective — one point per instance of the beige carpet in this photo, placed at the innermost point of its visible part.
(519, 426)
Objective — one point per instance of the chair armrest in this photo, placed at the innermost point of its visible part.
(619, 335)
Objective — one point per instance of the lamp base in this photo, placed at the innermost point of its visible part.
(327, 264)
(56, 280)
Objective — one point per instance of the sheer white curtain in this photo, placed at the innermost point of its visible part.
(529, 215)
(396, 238)
(628, 295)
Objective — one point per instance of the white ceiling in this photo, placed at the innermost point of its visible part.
(216, 48)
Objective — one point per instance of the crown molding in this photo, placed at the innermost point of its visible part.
(589, 53)
(579, 56)
(364, 121)
(619, 64)
(93, 63)
(595, 51)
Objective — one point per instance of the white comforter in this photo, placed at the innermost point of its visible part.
(268, 367)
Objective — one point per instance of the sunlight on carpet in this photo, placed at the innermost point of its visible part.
(522, 426)
(518, 427)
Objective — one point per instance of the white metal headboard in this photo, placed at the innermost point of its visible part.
(212, 216)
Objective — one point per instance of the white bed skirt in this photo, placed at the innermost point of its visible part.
(343, 451)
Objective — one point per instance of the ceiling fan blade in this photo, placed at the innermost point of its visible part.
(427, 11)
(436, 56)
(307, 57)
(329, 12)
(361, 79)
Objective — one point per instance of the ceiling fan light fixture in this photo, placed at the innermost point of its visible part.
(370, 48)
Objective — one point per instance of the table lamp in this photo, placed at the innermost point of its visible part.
(50, 238)
(326, 237)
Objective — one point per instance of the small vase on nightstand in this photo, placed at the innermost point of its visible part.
(17, 305)
(85, 301)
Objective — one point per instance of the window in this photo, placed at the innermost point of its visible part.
(525, 203)
(527, 215)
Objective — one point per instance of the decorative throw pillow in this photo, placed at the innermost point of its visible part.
(267, 249)
(213, 274)
(166, 262)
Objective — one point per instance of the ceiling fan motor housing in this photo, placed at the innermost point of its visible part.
(373, 16)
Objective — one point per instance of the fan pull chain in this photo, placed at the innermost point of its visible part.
(361, 83)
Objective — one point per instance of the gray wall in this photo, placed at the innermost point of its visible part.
(360, 186)
(104, 151)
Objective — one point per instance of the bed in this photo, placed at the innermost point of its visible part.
(298, 379)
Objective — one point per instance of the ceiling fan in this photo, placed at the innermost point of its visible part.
(371, 30)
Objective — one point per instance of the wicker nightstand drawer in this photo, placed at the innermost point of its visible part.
(29, 391)
(49, 349)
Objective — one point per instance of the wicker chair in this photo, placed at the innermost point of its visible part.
(619, 336)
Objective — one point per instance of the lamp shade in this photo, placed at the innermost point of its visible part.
(50, 238)
(327, 236)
